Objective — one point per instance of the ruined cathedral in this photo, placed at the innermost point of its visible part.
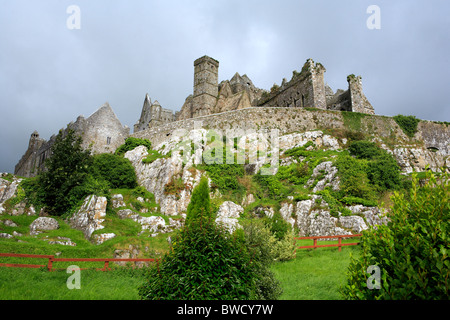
(104, 133)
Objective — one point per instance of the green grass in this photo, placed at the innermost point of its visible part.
(314, 274)
(39, 284)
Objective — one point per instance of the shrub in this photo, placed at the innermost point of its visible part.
(225, 176)
(200, 205)
(364, 150)
(355, 200)
(204, 262)
(132, 143)
(384, 172)
(411, 251)
(152, 156)
(116, 170)
(353, 176)
(407, 123)
(278, 226)
(271, 186)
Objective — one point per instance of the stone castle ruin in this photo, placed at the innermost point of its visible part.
(104, 133)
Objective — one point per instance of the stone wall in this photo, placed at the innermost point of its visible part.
(288, 120)
(305, 89)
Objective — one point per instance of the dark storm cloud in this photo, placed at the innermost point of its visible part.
(49, 74)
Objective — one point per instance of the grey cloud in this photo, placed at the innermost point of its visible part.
(49, 75)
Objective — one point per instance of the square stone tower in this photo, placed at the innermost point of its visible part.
(206, 86)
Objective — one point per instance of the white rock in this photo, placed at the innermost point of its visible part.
(329, 179)
(229, 209)
(101, 238)
(91, 215)
(117, 201)
(6, 235)
(43, 224)
(286, 211)
(355, 223)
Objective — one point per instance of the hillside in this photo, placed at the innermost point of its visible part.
(335, 174)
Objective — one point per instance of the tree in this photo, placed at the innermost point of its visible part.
(66, 169)
(411, 251)
(200, 205)
(116, 170)
(205, 262)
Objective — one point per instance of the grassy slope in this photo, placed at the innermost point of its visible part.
(314, 274)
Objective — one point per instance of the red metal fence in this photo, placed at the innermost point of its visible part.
(52, 260)
(339, 244)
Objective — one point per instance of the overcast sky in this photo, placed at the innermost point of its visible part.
(50, 74)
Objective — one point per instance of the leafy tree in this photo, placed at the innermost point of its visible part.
(66, 169)
(411, 251)
(116, 170)
(132, 143)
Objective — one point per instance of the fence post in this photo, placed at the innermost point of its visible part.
(50, 264)
(315, 244)
(106, 265)
(340, 243)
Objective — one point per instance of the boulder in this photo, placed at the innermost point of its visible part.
(43, 224)
(6, 235)
(328, 174)
(101, 238)
(228, 215)
(90, 216)
(229, 209)
(286, 211)
(7, 190)
(355, 223)
(117, 201)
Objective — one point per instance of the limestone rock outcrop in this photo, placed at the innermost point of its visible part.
(91, 215)
(157, 175)
(43, 224)
(228, 215)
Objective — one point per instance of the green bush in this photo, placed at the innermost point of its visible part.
(204, 263)
(408, 124)
(384, 172)
(354, 179)
(364, 150)
(114, 169)
(200, 205)
(355, 200)
(278, 226)
(132, 143)
(225, 176)
(271, 186)
(411, 251)
(152, 156)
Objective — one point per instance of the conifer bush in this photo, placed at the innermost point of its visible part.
(206, 262)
